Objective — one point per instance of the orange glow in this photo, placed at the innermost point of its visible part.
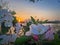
(20, 19)
(42, 15)
(43, 18)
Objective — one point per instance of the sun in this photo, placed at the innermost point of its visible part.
(20, 19)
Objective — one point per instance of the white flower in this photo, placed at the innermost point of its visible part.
(9, 38)
(6, 16)
(49, 35)
(5, 39)
(13, 38)
(28, 33)
(34, 29)
(38, 29)
(42, 28)
(8, 24)
(9, 18)
(18, 27)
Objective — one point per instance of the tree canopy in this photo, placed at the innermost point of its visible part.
(41, 0)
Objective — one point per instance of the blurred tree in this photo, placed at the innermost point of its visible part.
(41, 0)
(14, 21)
(4, 5)
(34, 0)
(4, 29)
(0, 7)
(13, 12)
(45, 21)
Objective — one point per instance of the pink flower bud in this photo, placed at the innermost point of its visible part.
(35, 37)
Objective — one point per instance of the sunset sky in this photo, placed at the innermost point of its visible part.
(45, 9)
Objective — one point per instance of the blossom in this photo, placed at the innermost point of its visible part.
(8, 38)
(5, 16)
(43, 28)
(5, 39)
(35, 37)
(49, 34)
(28, 33)
(18, 27)
(34, 29)
(38, 29)
(8, 17)
(13, 37)
(8, 24)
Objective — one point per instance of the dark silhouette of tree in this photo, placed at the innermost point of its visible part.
(13, 12)
(41, 0)
(34, 0)
(0, 7)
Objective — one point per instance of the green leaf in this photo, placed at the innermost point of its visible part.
(4, 29)
(14, 21)
(56, 37)
(33, 20)
(21, 40)
(13, 12)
